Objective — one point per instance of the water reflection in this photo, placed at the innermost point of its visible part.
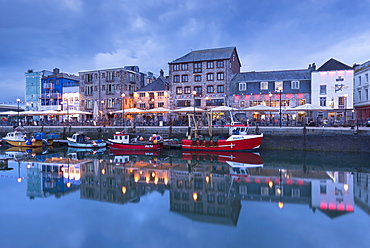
(204, 187)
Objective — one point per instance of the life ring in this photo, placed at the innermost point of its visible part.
(99, 129)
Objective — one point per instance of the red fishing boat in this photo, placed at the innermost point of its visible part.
(122, 141)
(238, 141)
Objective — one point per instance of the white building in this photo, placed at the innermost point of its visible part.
(361, 91)
(332, 86)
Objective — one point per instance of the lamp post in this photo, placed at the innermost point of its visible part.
(123, 109)
(18, 101)
(280, 90)
(270, 95)
(345, 108)
(102, 106)
(194, 94)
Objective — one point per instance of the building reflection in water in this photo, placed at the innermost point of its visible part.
(53, 176)
(202, 187)
(362, 186)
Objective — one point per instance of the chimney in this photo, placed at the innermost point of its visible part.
(56, 70)
(161, 72)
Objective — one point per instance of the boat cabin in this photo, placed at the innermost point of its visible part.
(121, 137)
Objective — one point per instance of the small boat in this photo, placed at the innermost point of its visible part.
(238, 141)
(19, 137)
(80, 140)
(121, 141)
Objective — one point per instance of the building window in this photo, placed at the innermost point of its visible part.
(161, 93)
(198, 67)
(176, 79)
(215, 102)
(187, 90)
(210, 77)
(131, 77)
(242, 86)
(264, 86)
(142, 105)
(264, 191)
(322, 89)
(110, 76)
(117, 74)
(89, 104)
(183, 103)
(210, 65)
(220, 76)
(220, 64)
(220, 89)
(184, 67)
(296, 192)
(197, 78)
(242, 104)
(323, 101)
(110, 103)
(359, 80)
(110, 88)
(295, 85)
(341, 102)
(179, 90)
(359, 95)
(176, 67)
(367, 77)
(279, 86)
(184, 78)
(210, 89)
(89, 90)
(160, 104)
(89, 77)
(198, 89)
(141, 94)
(367, 94)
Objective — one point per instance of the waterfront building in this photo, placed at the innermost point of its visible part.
(332, 86)
(52, 86)
(103, 91)
(201, 78)
(153, 95)
(285, 88)
(33, 88)
(361, 91)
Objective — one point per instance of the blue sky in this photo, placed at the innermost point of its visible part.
(78, 35)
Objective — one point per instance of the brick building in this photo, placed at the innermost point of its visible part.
(202, 77)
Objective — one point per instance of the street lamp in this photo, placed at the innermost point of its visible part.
(102, 106)
(194, 94)
(270, 95)
(18, 101)
(345, 108)
(123, 109)
(280, 90)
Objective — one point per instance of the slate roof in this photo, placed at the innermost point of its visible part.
(160, 84)
(262, 76)
(334, 65)
(206, 55)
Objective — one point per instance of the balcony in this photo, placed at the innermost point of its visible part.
(48, 86)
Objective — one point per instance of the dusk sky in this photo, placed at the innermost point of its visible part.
(78, 35)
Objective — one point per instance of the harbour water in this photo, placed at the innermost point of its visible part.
(83, 198)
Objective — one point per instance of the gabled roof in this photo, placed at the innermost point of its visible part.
(159, 84)
(334, 65)
(261, 76)
(207, 55)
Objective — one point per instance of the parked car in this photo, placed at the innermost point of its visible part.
(367, 122)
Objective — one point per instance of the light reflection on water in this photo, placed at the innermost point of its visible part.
(113, 198)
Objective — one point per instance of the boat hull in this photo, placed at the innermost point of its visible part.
(37, 143)
(86, 145)
(239, 144)
(137, 146)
